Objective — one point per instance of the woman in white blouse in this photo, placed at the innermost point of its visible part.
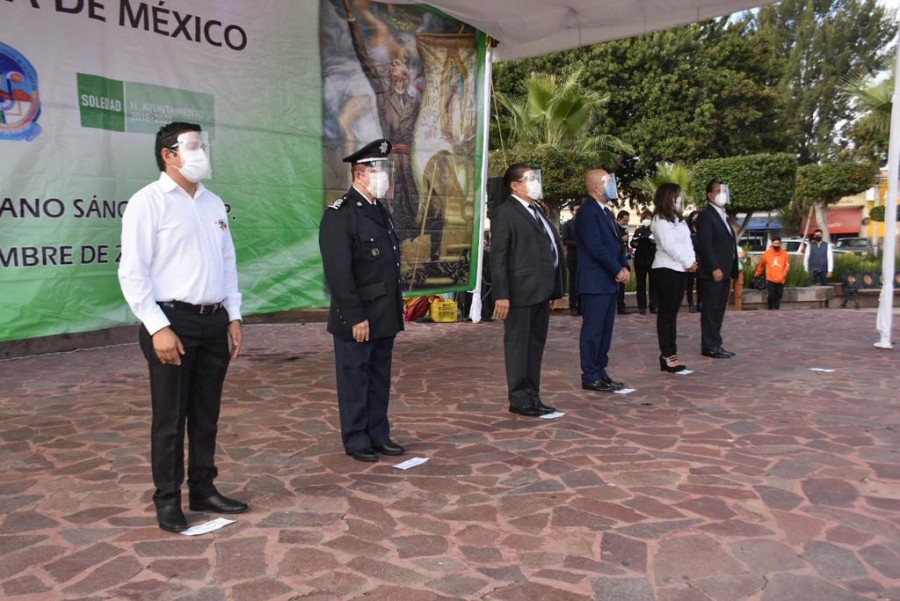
(674, 258)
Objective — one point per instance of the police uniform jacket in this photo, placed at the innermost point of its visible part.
(361, 258)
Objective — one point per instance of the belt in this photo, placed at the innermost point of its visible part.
(189, 308)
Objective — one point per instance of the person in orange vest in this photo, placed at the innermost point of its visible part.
(776, 263)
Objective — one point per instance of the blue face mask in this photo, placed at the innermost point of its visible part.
(611, 192)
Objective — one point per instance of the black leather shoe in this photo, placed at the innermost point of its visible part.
(529, 411)
(642, 311)
(389, 448)
(217, 503)
(600, 386)
(654, 311)
(545, 408)
(612, 382)
(622, 311)
(716, 354)
(171, 518)
(724, 352)
(368, 455)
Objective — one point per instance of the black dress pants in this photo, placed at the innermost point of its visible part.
(572, 267)
(713, 300)
(642, 272)
(670, 292)
(524, 336)
(191, 394)
(364, 388)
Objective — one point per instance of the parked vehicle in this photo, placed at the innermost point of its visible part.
(792, 245)
(859, 246)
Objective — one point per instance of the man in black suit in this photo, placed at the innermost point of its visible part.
(717, 256)
(361, 257)
(568, 240)
(622, 218)
(527, 274)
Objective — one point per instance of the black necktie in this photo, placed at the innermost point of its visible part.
(540, 221)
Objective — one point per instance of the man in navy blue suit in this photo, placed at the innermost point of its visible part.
(602, 266)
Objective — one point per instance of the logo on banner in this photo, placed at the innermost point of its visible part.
(20, 106)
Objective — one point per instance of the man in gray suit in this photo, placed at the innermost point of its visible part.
(527, 274)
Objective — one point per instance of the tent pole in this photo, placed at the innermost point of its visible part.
(475, 307)
(884, 318)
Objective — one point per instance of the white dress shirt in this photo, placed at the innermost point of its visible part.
(175, 247)
(674, 249)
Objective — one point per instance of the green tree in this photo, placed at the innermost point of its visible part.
(821, 185)
(562, 172)
(689, 93)
(873, 101)
(823, 41)
(550, 127)
(760, 182)
(666, 173)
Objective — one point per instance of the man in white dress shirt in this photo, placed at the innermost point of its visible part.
(179, 275)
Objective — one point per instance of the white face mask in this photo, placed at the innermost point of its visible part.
(645, 223)
(721, 199)
(194, 165)
(378, 184)
(534, 189)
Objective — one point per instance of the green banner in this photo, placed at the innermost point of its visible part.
(77, 134)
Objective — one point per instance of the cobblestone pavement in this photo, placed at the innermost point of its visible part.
(752, 478)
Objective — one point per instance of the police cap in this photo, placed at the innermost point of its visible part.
(373, 151)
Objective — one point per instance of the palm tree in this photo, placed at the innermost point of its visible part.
(667, 173)
(551, 127)
(555, 114)
(873, 99)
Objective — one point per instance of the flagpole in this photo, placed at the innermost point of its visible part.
(885, 316)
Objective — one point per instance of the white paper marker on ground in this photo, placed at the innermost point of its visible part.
(684, 372)
(207, 527)
(824, 370)
(553, 415)
(625, 390)
(411, 463)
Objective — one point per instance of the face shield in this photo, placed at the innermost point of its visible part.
(534, 186)
(193, 148)
(610, 189)
(723, 196)
(381, 179)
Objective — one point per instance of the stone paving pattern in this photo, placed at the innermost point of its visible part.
(752, 478)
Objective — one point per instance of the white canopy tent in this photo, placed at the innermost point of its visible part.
(525, 28)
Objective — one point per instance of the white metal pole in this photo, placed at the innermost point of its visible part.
(475, 307)
(885, 316)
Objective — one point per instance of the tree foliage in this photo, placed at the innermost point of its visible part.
(823, 40)
(562, 172)
(760, 182)
(689, 93)
(550, 128)
(873, 101)
(667, 173)
(830, 182)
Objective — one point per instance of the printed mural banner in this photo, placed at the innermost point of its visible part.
(413, 77)
(85, 85)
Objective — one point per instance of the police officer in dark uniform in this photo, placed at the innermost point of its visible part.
(361, 257)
